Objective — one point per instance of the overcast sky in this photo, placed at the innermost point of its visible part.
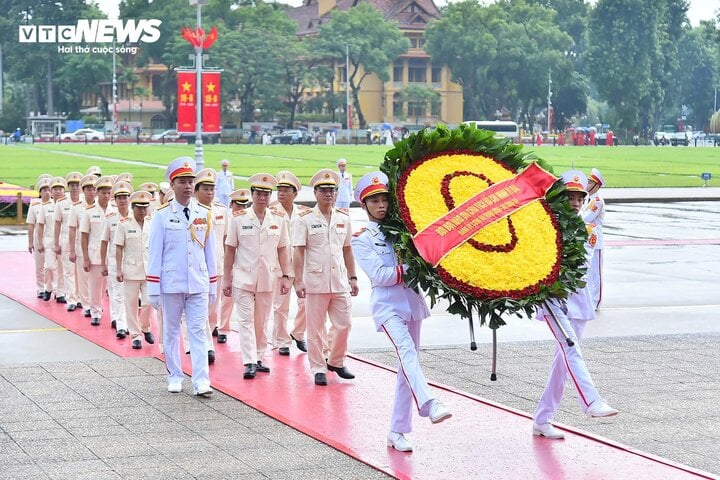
(699, 9)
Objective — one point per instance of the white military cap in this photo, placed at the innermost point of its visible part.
(325, 177)
(575, 181)
(241, 196)
(58, 182)
(44, 175)
(164, 187)
(180, 167)
(207, 176)
(141, 198)
(125, 177)
(597, 177)
(43, 183)
(262, 181)
(88, 181)
(371, 184)
(287, 179)
(73, 177)
(104, 182)
(94, 170)
(150, 187)
(121, 188)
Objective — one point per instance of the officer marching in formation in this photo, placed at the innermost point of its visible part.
(288, 187)
(345, 185)
(120, 192)
(594, 216)
(182, 275)
(152, 188)
(34, 241)
(572, 315)
(92, 222)
(62, 238)
(397, 310)
(256, 256)
(325, 276)
(52, 271)
(87, 185)
(131, 257)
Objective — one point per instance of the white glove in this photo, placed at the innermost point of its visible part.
(212, 298)
(154, 300)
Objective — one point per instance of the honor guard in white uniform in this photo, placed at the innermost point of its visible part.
(205, 181)
(131, 257)
(152, 188)
(325, 276)
(91, 230)
(397, 310)
(256, 256)
(594, 216)
(46, 233)
(62, 238)
(34, 241)
(572, 316)
(120, 192)
(181, 274)
(87, 186)
(288, 187)
(225, 184)
(345, 185)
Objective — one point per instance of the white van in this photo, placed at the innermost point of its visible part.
(502, 129)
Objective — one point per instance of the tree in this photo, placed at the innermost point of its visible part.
(130, 79)
(698, 72)
(420, 97)
(373, 43)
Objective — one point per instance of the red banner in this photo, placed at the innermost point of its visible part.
(186, 99)
(211, 102)
(492, 204)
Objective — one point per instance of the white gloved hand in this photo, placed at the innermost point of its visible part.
(154, 300)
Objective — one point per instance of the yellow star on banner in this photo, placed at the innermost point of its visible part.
(211, 87)
(186, 87)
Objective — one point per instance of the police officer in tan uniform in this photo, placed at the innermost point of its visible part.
(62, 238)
(46, 232)
(87, 185)
(152, 188)
(256, 255)
(131, 258)
(325, 276)
(287, 190)
(120, 192)
(34, 241)
(91, 229)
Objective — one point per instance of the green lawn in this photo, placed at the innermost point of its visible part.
(621, 166)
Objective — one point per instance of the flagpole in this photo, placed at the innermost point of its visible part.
(200, 163)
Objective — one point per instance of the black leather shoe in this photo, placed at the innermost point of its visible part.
(301, 344)
(250, 369)
(285, 351)
(342, 372)
(262, 368)
(87, 313)
(95, 322)
(137, 344)
(78, 305)
(46, 296)
(215, 332)
(149, 337)
(60, 299)
(41, 294)
(320, 379)
(222, 338)
(211, 356)
(113, 325)
(71, 308)
(121, 333)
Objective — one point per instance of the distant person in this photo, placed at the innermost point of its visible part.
(225, 184)
(594, 216)
(345, 189)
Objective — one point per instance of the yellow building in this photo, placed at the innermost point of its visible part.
(380, 101)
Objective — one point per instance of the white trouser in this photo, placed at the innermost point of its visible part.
(411, 387)
(595, 277)
(97, 284)
(39, 259)
(68, 274)
(281, 310)
(83, 281)
(568, 360)
(253, 313)
(132, 291)
(319, 306)
(195, 307)
(116, 292)
(52, 268)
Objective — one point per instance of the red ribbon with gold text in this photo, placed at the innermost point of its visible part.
(494, 203)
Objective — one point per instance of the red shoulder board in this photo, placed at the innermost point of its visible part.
(345, 211)
(302, 214)
(359, 232)
(239, 212)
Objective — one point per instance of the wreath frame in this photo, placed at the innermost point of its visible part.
(421, 275)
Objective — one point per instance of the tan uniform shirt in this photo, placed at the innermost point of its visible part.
(324, 269)
(62, 215)
(112, 219)
(221, 223)
(46, 215)
(74, 221)
(32, 217)
(134, 240)
(92, 222)
(256, 266)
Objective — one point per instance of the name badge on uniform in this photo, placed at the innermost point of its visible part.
(132, 231)
(96, 216)
(318, 225)
(174, 220)
(247, 227)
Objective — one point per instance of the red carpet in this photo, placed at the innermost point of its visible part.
(482, 440)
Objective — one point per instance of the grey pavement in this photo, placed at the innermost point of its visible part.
(654, 353)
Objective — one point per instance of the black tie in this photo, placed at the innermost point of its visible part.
(187, 212)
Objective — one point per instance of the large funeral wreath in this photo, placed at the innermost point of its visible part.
(509, 267)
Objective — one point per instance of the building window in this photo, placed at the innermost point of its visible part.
(397, 105)
(417, 42)
(398, 72)
(436, 108)
(417, 70)
(436, 74)
(416, 109)
(341, 74)
(157, 122)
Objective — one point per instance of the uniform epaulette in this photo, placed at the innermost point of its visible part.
(274, 204)
(126, 219)
(239, 212)
(35, 201)
(346, 211)
(302, 214)
(277, 212)
(77, 203)
(204, 206)
(302, 208)
(164, 205)
(110, 214)
(89, 207)
(219, 204)
(359, 232)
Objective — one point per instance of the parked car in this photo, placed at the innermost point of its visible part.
(288, 136)
(167, 135)
(83, 134)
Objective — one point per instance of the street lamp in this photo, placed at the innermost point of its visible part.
(200, 163)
